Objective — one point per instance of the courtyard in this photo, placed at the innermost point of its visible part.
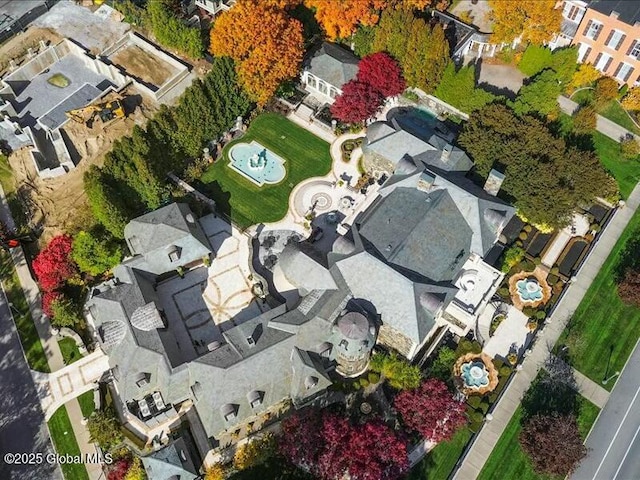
(246, 203)
(210, 300)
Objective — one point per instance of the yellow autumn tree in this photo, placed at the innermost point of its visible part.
(255, 452)
(536, 21)
(216, 472)
(585, 75)
(340, 18)
(631, 100)
(266, 44)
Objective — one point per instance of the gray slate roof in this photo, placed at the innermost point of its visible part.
(419, 231)
(394, 143)
(334, 64)
(153, 237)
(172, 462)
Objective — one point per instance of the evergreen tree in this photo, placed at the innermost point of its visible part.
(107, 204)
(458, 88)
(540, 96)
(391, 33)
(95, 252)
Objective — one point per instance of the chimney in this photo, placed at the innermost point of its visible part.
(426, 180)
(494, 182)
(614, 14)
(446, 152)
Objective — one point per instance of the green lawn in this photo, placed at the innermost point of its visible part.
(626, 172)
(87, 406)
(602, 321)
(612, 110)
(29, 338)
(305, 156)
(69, 350)
(439, 462)
(65, 443)
(508, 461)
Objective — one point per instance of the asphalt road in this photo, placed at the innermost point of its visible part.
(22, 425)
(614, 442)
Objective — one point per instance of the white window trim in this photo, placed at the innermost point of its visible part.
(603, 62)
(635, 48)
(582, 51)
(623, 73)
(593, 27)
(613, 44)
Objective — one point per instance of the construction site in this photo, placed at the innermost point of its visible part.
(62, 106)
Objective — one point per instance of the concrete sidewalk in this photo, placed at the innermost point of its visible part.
(537, 355)
(49, 341)
(591, 390)
(603, 125)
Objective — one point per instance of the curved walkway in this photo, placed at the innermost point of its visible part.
(489, 435)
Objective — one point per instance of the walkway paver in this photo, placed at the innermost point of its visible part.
(603, 125)
(590, 390)
(537, 355)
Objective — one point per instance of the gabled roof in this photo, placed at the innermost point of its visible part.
(170, 463)
(334, 64)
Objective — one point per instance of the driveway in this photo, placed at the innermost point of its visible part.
(22, 425)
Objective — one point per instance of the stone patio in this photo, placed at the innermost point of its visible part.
(511, 334)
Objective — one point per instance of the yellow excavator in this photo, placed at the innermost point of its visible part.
(105, 111)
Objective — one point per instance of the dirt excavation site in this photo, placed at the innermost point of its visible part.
(60, 204)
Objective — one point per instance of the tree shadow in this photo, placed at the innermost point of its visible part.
(548, 395)
(628, 258)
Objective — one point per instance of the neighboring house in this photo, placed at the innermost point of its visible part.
(213, 7)
(328, 69)
(607, 34)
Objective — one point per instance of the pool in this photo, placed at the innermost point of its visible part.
(256, 163)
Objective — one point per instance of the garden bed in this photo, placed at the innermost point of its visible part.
(571, 258)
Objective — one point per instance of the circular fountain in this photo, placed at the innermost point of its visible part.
(529, 289)
(475, 374)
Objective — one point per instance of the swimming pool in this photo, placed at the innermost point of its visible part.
(256, 163)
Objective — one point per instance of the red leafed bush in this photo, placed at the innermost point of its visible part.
(53, 265)
(119, 469)
(358, 102)
(431, 410)
(47, 299)
(330, 446)
(383, 74)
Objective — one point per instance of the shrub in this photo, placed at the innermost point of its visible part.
(474, 401)
(555, 270)
(584, 120)
(629, 147)
(552, 279)
(505, 371)
(631, 100)
(104, 428)
(399, 373)
(595, 227)
(467, 346)
(512, 257)
(605, 91)
(172, 32)
(476, 417)
(584, 76)
(364, 382)
(498, 362)
(373, 377)
(527, 228)
(529, 311)
(504, 292)
(53, 266)
(254, 452)
(523, 235)
(541, 315)
(65, 313)
(537, 260)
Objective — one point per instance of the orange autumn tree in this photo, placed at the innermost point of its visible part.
(536, 21)
(340, 18)
(266, 44)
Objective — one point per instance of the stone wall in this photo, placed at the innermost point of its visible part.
(372, 162)
(391, 338)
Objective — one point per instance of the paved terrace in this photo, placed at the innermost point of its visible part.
(489, 435)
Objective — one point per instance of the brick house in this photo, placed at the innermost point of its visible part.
(607, 34)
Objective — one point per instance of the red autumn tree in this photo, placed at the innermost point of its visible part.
(119, 469)
(356, 450)
(629, 288)
(53, 265)
(358, 102)
(301, 438)
(330, 447)
(431, 410)
(47, 301)
(553, 443)
(383, 73)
